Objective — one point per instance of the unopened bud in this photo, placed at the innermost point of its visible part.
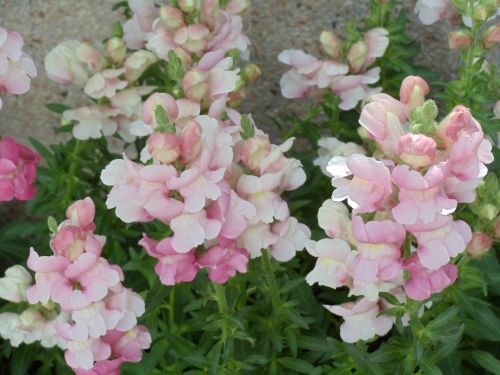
(331, 44)
(488, 212)
(116, 49)
(491, 36)
(479, 245)
(357, 55)
(250, 73)
(171, 17)
(459, 39)
(187, 6)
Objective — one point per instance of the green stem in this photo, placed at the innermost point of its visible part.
(470, 56)
(268, 268)
(68, 198)
(220, 296)
(171, 310)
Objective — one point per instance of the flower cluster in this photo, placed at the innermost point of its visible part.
(78, 301)
(197, 36)
(16, 67)
(18, 171)
(216, 183)
(401, 226)
(346, 73)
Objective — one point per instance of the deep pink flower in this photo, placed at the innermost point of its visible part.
(424, 282)
(172, 267)
(222, 263)
(17, 170)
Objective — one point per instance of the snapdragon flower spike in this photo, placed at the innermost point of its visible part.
(16, 67)
(409, 190)
(85, 309)
(347, 77)
(224, 189)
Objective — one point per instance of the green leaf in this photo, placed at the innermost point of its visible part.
(390, 298)
(22, 358)
(247, 128)
(117, 30)
(487, 361)
(361, 359)
(175, 70)
(57, 108)
(298, 365)
(429, 369)
(52, 224)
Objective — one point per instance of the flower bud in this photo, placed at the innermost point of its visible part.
(164, 100)
(479, 245)
(254, 150)
(423, 118)
(90, 56)
(413, 91)
(417, 150)
(491, 36)
(81, 213)
(190, 145)
(163, 147)
(30, 319)
(195, 84)
(171, 17)
(459, 39)
(357, 55)
(187, 6)
(250, 73)
(116, 49)
(333, 218)
(331, 44)
(488, 212)
(14, 284)
(137, 63)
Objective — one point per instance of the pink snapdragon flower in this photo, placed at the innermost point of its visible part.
(334, 219)
(416, 150)
(135, 29)
(139, 192)
(97, 318)
(222, 263)
(172, 267)
(362, 320)
(424, 282)
(413, 91)
(330, 147)
(420, 197)
(17, 171)
(369, 186)
(308, 75)
(440, 240)
(292, 238)
(16, 67)
(430, 11)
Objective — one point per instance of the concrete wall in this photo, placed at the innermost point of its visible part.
(273, 25)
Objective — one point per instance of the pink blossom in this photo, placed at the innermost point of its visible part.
(368, 188)
(129, 345)
(228, 34)
(172, 267)
(334, 219)
(424, 282)
(17, 171)
(192, 229)
(440, 240)
(83, 354)
(330, 147)
(211, 78)
(255, 238)
(107, 367)
(105, 83)
(331, 268)
(307, 74)
(292, 237)
(16, 67)
(233, 212)
(91, 122)
(222, 263)
(69, 63)
(254, 150)
(412, 92)
(417, 150)
(362, 320)
(139, 192)
(469, 155)
(479, 245)
(383, 119)
(163, 147)
(377, 41)
(430, 11)
(457, 123)
(420, 197)
(354, 88)
(136, 28)
(193, 38)
(379, 244)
